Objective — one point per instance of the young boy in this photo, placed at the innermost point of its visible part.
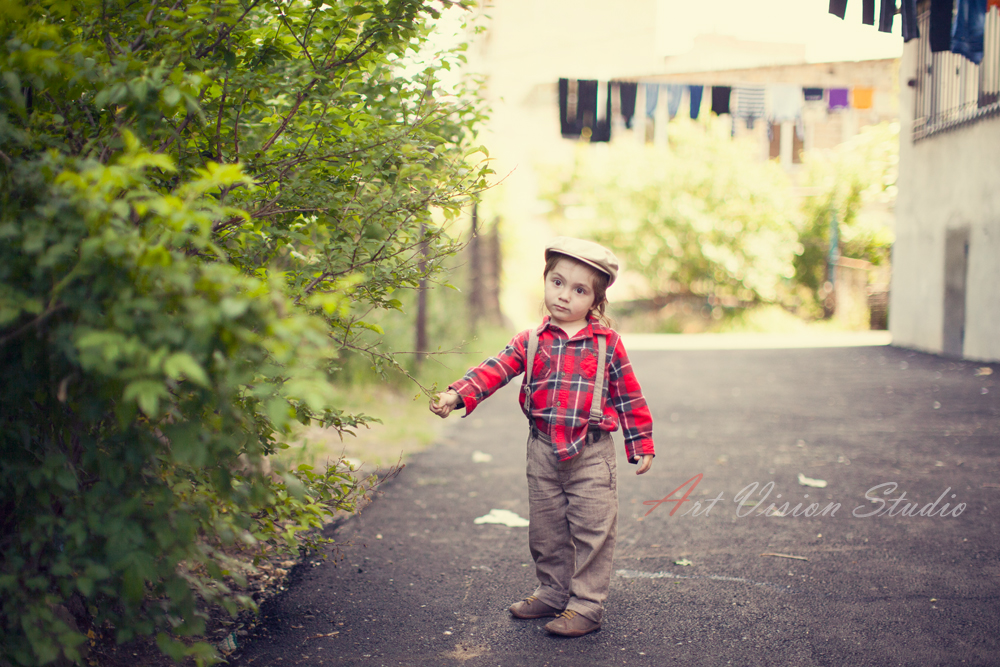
(572, 486)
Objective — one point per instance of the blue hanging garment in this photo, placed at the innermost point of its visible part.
(695, 93)
(885, 18)
(652, 96)
(675, 92)
(910, 28)
(967, 33)
(626, 94)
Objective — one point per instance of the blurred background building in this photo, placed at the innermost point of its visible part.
(946, 259)
(794, 79)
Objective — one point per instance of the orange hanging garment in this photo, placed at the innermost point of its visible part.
(862, 97)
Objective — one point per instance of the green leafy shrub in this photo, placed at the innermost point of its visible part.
(200, 204)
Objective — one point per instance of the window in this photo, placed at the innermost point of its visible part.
(951, 90)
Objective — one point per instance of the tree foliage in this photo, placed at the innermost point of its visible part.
(856, 182)
(704, 217)
(200, 201)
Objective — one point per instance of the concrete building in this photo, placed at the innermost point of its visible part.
(945, 294)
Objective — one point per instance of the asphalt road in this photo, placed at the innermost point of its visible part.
(421, 584)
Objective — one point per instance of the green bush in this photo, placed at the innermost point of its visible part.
(856, 181)
(200, 204)
(705, 217)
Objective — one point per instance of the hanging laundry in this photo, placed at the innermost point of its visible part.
(868, 12)
(578, 110)
(569, 125)
(813, 94)
(626, 97)
(838, 98)
(786, 103)
(694, 94)
(720, 99)
(601, 129)
(940, 29)
(749, 103)
(652, 96)
(908, 9)
(586, 106)
(862, 97)
(675, 92)
(885, 18)
(967, 34)
(838, 8)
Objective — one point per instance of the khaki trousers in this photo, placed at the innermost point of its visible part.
(573, 523)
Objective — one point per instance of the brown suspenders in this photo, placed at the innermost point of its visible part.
(595, 399)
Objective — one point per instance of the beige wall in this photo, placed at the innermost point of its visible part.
(947, 182)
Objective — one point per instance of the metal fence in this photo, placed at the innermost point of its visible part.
(951, 90)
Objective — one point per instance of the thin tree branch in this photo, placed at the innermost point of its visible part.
(208, 48)
(305, 49)
(176, 134)
(49, 312)
(218, 120)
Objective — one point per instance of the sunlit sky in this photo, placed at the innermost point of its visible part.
(827, 38)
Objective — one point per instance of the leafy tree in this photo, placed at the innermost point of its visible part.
(705, 217)
(200, 201)
(856, 181)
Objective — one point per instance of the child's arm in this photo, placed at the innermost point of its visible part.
(446, 402)
(483, 380)
(628, 401)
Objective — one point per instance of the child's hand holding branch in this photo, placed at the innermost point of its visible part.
(446, 402)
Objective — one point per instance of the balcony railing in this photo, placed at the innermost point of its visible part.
(951, 90)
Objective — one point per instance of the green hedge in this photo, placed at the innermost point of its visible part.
(199, 204)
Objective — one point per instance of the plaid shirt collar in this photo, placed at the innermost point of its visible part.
(593, 328)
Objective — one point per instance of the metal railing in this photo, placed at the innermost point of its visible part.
(951, 90)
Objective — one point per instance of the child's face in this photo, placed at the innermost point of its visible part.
(569, 292)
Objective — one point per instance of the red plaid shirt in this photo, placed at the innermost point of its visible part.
(562, 384)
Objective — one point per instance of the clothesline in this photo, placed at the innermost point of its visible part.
(581, 114)
(955, 25)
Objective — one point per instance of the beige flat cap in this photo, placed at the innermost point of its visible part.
(587, 252)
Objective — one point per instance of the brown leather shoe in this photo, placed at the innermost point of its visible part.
(532, 607)
(571, 624)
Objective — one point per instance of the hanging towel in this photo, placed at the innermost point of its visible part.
(885, 18)
(674, 93)
(813, 94)
(838, 98)
(749, 103)
(940, 30)
(652, 96)
(695, 93)
(838, 8)
(626, 96)
(862, 97)
(868, 12)
(786, 103)
(908, 8)
(967, 33)
(720, 99)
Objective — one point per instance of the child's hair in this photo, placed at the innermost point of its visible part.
(600, 285)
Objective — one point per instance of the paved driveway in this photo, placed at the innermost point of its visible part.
(830, 578)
